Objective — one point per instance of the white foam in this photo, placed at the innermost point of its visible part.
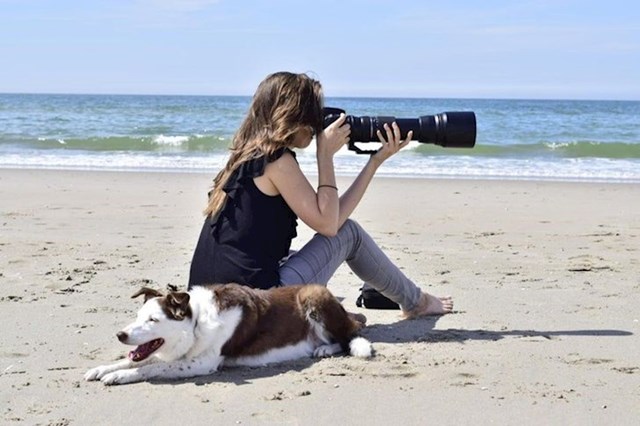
(402, 165)
(170, 140)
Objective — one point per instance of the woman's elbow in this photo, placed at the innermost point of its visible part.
(328, 231)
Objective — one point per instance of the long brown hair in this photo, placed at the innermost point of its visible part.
(283, 104)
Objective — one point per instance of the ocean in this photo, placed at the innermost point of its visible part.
(594, 141)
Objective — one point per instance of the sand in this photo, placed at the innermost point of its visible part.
(545, 276)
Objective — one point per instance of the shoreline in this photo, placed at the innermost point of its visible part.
(545, 278)
(346, 176)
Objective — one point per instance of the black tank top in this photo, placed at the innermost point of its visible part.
(248, 237)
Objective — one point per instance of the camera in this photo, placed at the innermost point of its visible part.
(452, 129)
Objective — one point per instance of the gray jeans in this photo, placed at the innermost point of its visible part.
(319, 259)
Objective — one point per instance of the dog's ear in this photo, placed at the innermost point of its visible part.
(147, 292)
(177, 305)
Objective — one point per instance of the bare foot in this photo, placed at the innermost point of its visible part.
(430, 305)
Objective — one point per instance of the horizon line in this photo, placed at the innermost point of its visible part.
(515, 98)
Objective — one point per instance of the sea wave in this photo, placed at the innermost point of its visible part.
(207, 143)
(154, 143)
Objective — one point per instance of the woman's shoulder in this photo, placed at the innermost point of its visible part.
(257, 166)
(279, 153)
(285, 157)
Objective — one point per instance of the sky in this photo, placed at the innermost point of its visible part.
(555, 49)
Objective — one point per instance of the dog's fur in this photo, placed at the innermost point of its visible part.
(188, 334)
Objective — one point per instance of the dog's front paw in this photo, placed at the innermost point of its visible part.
(327, 350)
(120, 377)
(96, 373)
(115, 378)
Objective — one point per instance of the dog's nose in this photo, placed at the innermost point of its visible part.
(122, 336)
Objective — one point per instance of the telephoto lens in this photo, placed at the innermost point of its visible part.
(452, 129)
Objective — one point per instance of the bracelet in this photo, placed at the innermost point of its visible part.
(328, 186)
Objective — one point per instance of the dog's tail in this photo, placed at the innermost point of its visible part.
(360, 348)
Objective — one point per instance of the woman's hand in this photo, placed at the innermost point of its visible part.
(392, 144)
(334, 137)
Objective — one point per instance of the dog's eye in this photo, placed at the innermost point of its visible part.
(152, 319)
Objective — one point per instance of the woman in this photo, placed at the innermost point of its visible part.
(253, 208)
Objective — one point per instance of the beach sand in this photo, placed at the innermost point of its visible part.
(545, 277)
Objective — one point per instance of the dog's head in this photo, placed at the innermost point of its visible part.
(163, 328)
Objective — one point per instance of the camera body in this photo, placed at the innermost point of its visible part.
(453, 129)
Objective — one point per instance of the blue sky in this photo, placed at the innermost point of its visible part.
(556, 49)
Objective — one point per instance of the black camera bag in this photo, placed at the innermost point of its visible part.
(370, 298)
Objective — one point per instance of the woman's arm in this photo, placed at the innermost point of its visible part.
(319, 210)
(393, 143)
(323, 211)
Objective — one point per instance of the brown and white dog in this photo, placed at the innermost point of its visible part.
(188, 334)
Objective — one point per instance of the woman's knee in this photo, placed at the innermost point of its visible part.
(352, 235)
(351, 227)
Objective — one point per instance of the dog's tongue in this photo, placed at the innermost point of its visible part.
(143, 351)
